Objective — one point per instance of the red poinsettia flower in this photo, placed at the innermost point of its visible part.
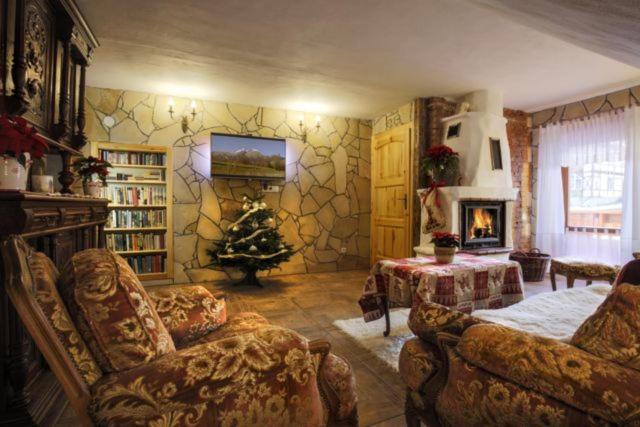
(443, 239)
(18, 137)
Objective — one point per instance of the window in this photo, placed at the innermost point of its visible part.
(595, 196)
(496, 154)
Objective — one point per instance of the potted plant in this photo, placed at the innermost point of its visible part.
(94, 174)
(19, 144)
(441, 164)
(446, 245)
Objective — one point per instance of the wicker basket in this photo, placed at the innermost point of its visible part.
(534, 264)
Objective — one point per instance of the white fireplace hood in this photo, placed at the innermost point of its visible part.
(481, 164)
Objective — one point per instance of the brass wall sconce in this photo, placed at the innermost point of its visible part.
(304, 130)
(185, 117)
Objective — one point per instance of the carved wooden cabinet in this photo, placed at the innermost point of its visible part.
(58, 226)
(45, 49)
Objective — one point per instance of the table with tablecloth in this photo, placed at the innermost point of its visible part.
(469, 283)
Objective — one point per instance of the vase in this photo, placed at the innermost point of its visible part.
(444, 255)
(13, 176)
(92, 188)
(42, 183)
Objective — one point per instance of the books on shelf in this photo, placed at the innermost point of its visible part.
(136, 196)
(145, 264)
(137, 218)
(121, 242)
(133, 158)
(151, 175)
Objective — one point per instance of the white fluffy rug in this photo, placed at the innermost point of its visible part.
(555, 315)
(369, 335)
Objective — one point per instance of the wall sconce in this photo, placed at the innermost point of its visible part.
(304, 130)
(185, 117)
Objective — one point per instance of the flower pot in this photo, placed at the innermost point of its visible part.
(449, 177)
(13, 176)
(444, 255)
(92, 188)
(42, 183)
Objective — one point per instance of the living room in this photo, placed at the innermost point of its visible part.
(335, 213)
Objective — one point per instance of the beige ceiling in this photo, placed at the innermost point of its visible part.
(354, 58)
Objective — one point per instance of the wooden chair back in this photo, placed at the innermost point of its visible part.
(20, 288)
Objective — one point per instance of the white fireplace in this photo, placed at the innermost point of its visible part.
(481, 207)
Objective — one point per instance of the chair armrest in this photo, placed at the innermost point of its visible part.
(337, 384)
(262, 378)
(189, 312)
(427, 319)
(561, 371)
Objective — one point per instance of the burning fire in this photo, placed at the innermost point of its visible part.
(482, 225)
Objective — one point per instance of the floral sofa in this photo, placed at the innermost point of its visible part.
(463, 371)
(169, 357)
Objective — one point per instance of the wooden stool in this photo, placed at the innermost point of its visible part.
(574, 268)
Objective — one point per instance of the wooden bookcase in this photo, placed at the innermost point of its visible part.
(140, 174)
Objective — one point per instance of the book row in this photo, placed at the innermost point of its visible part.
(134, 195)
(136, 218)
(127, 158)
(135, 241)
(149, 175)
(142, 264)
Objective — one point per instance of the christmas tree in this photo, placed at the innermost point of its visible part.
(252, 243)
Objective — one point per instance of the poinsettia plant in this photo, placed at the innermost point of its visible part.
(445, 240)
(441, 163)
(91, 167)
(17, 137)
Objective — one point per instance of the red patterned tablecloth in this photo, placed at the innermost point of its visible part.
(467, 284)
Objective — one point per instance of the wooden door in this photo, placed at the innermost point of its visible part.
(391, 194)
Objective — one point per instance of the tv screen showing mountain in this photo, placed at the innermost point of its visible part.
(247, 156)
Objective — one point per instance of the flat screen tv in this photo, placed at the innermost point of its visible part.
(249, 157)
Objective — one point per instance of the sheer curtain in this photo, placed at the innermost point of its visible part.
(630, 232)
(597, 139)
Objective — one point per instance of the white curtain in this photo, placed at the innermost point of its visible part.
(630, 232)
(597, 139)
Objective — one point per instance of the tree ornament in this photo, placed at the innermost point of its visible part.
(269, 221)
(246, 207)
(244, 199)
(263, 240)
(255, 205)
(236, 228)
(263, 205)
(253, 248)
(255, 225)
(230, 250)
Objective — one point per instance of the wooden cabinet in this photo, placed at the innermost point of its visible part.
(45, 48)
(58, 226)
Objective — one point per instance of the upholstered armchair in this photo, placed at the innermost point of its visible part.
(462, 371)
(169, 357)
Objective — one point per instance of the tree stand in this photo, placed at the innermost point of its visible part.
(249, 278)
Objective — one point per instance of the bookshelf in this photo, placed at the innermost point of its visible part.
(139, 189)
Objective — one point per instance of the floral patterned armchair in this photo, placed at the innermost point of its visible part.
(169, 357)
(462, 371)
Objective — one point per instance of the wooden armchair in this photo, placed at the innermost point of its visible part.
(242, 370)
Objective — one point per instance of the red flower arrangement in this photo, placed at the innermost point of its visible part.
(441, 164)
(87, 167)
(445, 240)
(18, 137)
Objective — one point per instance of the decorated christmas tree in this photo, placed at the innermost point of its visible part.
(252, 243)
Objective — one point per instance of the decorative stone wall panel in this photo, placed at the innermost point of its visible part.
(323, 205)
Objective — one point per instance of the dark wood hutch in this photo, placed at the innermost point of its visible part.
(45, 49)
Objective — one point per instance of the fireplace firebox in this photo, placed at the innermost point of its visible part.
(482, 224)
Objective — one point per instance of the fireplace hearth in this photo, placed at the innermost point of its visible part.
(482, 224)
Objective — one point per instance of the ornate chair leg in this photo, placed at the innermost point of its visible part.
(410, 413)
(570, 280)
(552, 275)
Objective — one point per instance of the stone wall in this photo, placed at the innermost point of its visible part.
(585, 107)
(323, 206)
(519, 135)
(398, 117)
